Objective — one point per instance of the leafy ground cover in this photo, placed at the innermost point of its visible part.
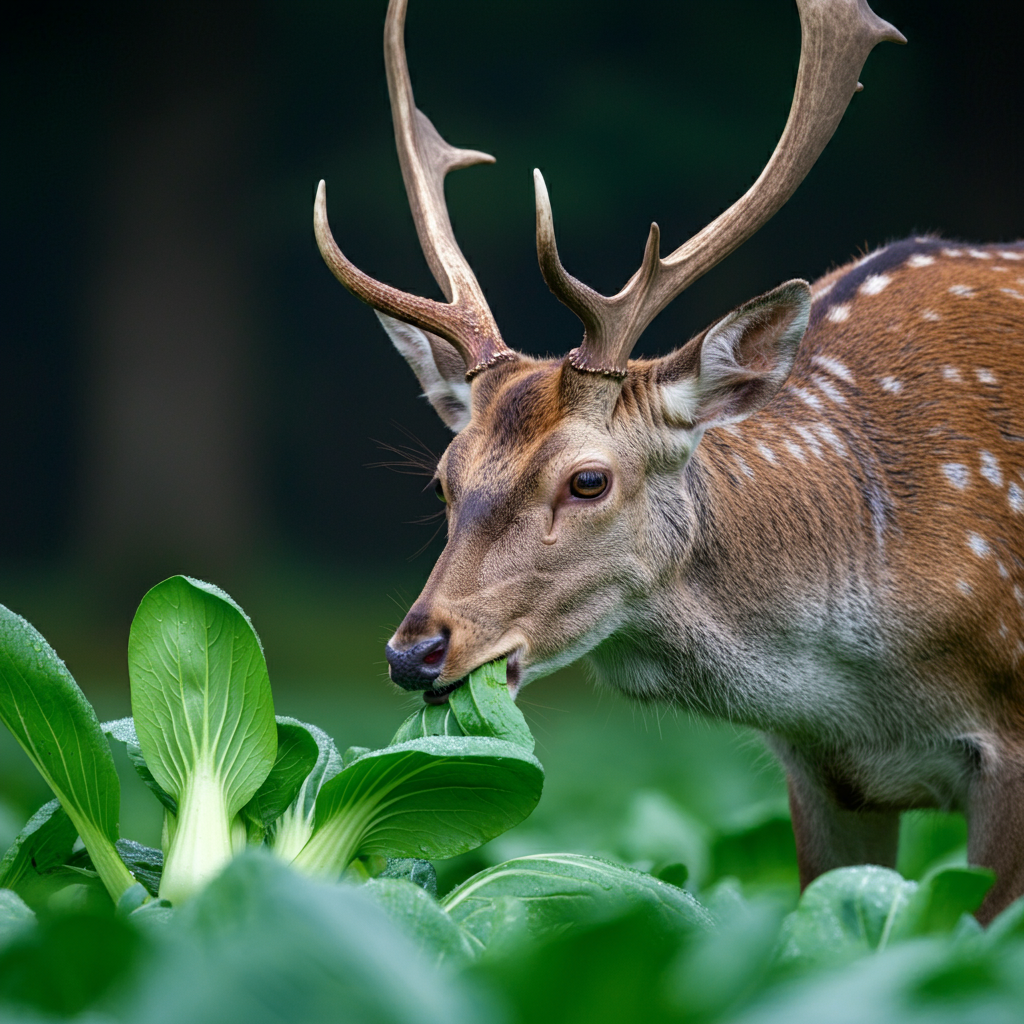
(278, 877)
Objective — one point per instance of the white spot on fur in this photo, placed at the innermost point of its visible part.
(1000, 270)
(874, 284)
(920, 260)
(1013, 291)
(965, 587)
(807, 397)
(1007, 255)
(891, 384)
(744, 468)
(965, 291)
(1018, 594)
(985, 376)
(795, 449)
(732, 428)
(953, 374)
(837, 314)
(831, 438)
(822, 292)
(829, 388)
(979, 254)
(953, 253)
(834, 366)
(957, 474)
(990, 469)
(978, 545)
(809, 439)
(766, 452)
(930, 314)
(1003, 570)
(1016, 496)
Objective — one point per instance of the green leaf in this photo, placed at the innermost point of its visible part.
(15, 916)
(845, 913)
(297, 754)
(439, 939)
(123, 730)
(484, 707)
(43, 844)
(660, 833)
(56, 726)
(264, 945)
(204, 715)
(291, 831)
(145, 863)
(434, 797)
(67, 963)
(941, 899)
(429, 720)
(412, 869)
(565, 888)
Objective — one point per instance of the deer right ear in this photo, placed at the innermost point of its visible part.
(439, 368)
(739, 364)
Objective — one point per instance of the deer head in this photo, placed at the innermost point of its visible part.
(568, 505)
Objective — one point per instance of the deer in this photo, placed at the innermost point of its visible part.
(808, 519)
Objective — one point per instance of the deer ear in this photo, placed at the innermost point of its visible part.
(439, 368)
(739, 364)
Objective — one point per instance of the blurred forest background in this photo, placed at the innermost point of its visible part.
(184, 386)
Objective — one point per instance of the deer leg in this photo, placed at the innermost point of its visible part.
(995, 834)
(829, 835)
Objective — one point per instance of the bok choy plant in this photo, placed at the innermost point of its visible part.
(230, 775)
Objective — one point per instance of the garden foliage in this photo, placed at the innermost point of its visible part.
(296, 883)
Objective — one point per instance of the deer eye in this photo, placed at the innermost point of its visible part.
(589, 483)
(439, 491)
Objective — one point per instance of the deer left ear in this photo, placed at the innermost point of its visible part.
(439, 368)
(739, 364)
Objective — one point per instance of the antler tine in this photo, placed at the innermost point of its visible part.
(465, 320)
(837, 36)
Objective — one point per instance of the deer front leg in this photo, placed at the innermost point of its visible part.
(995, 833)
(829, 835)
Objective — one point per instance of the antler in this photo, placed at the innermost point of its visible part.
(837, 36)
(465, 320)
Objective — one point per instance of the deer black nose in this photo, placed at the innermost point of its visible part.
(417, 667)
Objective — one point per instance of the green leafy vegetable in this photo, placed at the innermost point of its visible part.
(941, 898)
(434, 797)
(439, 939)
(429, 720)
(297, 754)
(204, 715)
(15, 916)
(845, 913)
(412, 869)
(43, 844)
(123, 730)
(264, 945)
(484, 707)
(56, 726)
(293, 828)
(556, 889)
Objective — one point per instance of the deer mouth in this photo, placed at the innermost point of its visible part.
(513, 678)
(439, 695)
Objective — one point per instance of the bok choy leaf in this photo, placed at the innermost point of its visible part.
(56, 726)
(204, 716)
(434, 797)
